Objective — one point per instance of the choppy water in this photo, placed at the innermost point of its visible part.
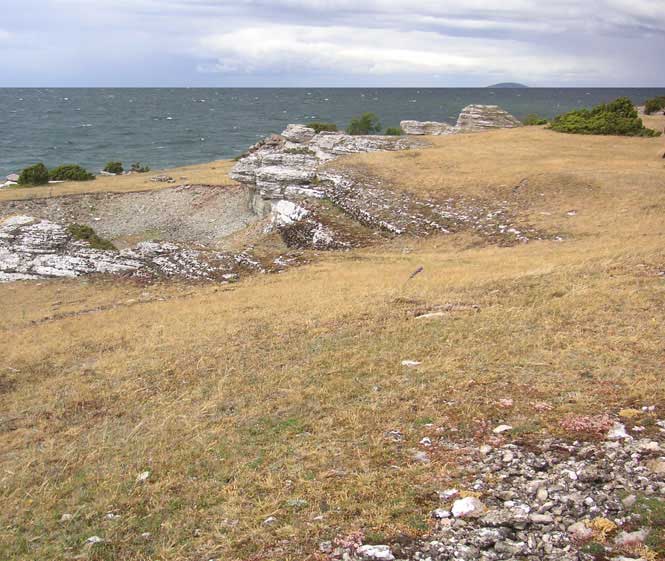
(164, 127)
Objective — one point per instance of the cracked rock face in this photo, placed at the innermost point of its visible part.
(432, 128)
(31, 248)
(286, 166)
(478, 118)
(285, 172)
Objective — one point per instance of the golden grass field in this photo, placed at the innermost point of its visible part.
(212, 173)
(245, 400)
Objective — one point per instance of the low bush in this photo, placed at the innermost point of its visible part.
(34, 175)
(394, 131)
(367, 123)
(618, 118)
(114, 167)
(655, 105)
(70, 172)
(86, 233)
(137, 167)
(534, 120)
(320, 127)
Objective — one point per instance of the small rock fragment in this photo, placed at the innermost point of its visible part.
(375, 553)
(142, 477)
(501, 429)
(468, 507)
(411, 363)
(617, 432)
(92, 540)
(580, 532)
(656, 466)
(440, 513)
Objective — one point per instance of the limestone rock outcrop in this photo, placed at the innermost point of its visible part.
(473, 118)
(432, 128)
(289, 181)
(284, 166)
(476, 118)
(32, 248)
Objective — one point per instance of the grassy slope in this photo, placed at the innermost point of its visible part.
(213, 173)
(282, 388)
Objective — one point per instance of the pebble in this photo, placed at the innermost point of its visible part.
(617, 432)
(441, 513)
(468, 507)
(411, 363)
(540, 505)
(501, 429)
(142, 477)
(375, 553)
(92, 540)
(420, 456)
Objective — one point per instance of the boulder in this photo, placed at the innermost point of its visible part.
(475, 118)
(432, 128)
(298, 133)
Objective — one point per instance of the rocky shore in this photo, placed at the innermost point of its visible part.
(293, 167)
(285, 177)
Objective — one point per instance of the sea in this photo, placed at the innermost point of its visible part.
(167, 127)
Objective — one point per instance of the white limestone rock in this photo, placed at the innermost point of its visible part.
(298, 133)
(617, 432)
(468, 507)
(475, 118)
(34, 249)
(375, 553)
(432, 128)
(286, 213)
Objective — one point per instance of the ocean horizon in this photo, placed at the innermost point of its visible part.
(168, 127)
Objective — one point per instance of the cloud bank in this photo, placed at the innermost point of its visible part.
(318, 42)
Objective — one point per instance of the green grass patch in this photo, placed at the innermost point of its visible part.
(86, 233)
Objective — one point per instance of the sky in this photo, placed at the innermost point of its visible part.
(306, 43)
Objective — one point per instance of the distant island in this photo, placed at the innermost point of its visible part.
(508, 85)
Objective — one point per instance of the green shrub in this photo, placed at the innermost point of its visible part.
(618, 117)
(654, 105)
(70, 172)
(34, 175)
(86, 233)
(138, 168)
(394, 131)
(319, 127)
(114, 167)
(534, 120)
(367, 123)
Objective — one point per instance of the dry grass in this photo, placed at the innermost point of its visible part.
(212, 173)
(242, 401)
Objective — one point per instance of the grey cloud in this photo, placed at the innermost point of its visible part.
(354, 42)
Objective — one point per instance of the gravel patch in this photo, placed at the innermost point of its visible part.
(199, 214)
